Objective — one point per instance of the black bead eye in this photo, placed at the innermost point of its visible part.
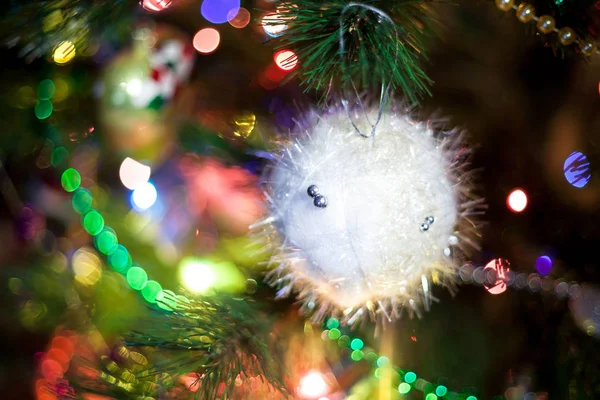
(319, 201)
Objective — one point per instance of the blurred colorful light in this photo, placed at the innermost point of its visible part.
(286, 60)
(206, 40)
(241, 19)
(155, 5)
(196, 276)
(313, 385)
(577, 169)
(64, 52)
(219, 11)
(543, 265)
(273, 24)
(144, 196)
(410, 377)
(46, 89)
(500, 268)
(43, 109)
(133, 173)
(150, 291)
(517, 200)
(404, 388)
(137, 278)
(87, 267)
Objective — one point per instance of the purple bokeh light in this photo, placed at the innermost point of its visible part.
(543, 265)
(219, 11)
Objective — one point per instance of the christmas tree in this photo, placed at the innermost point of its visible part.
(224, 199)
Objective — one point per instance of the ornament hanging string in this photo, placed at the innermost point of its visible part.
(385, 89)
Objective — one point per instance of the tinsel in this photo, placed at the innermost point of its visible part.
(364, 44)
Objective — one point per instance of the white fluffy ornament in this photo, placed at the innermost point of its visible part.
(367, 223)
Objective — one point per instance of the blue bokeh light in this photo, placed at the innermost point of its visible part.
(219, 11)
(577, 169)
(543, 265)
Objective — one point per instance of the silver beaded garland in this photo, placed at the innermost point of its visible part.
(320, 201)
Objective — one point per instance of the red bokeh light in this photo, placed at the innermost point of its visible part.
(286, 60)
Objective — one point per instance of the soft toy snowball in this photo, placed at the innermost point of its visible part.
(368, 222)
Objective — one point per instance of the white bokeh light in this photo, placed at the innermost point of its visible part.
(313, 385)
(144, 196)
(133, 173)
(196, 276)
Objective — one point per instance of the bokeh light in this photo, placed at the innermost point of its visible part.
(64, 52)
(70, 180)
(313, 385)
(106, 241)
(93, 222)
(144, 196)
(410, 377)
(133, 173)
(273, 24)
(206, 40)
(543, 265)
(499, 268)
(137, 278)
(155, 5)
(431, 396)
(577, 169)
(43, 109)
(197, 275)
(241, 19)
(82, 201)
(404, 388)
(119, 259)
(356, 344)
(244, 124)
(441, 390)
(46, 89)
(219, 11)
(286, 60)
(87, 267)
(150, 291)
(517, 200)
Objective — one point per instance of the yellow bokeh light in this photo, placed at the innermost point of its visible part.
(87, 267)
(196, 276)
(244, 124)
(64, 52)
(202, 276)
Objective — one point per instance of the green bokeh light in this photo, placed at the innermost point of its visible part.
(82, 201)
(404, 388)
(334, 334)
(70, 180)
(343, 341)
(377, 373)
(332, 323)
(93, 222)
(106, 241)
(59, 156)
(410, 377)
(441, 390)
(137, 278)
(119, 259)
(471, 398)
(357, 355)
(43, 109)
(431, 396)
(357, 344)
(150, 291)
(383, 361)
(46, 89)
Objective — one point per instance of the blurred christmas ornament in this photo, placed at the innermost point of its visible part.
(229, 195)
(585, 309)
(369, 222)
(139, 87)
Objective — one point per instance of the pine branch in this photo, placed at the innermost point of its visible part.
(382, 42)
(214, 341)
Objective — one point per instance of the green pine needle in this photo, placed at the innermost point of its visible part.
(375, 52)
(214, 340)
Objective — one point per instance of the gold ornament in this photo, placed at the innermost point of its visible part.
(505, 5)
(546, 24)
(525, 12)
(566, 36)
(588, 48)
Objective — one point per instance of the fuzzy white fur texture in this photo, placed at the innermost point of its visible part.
(368, 252)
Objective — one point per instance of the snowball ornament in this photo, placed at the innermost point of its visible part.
(368, 224)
